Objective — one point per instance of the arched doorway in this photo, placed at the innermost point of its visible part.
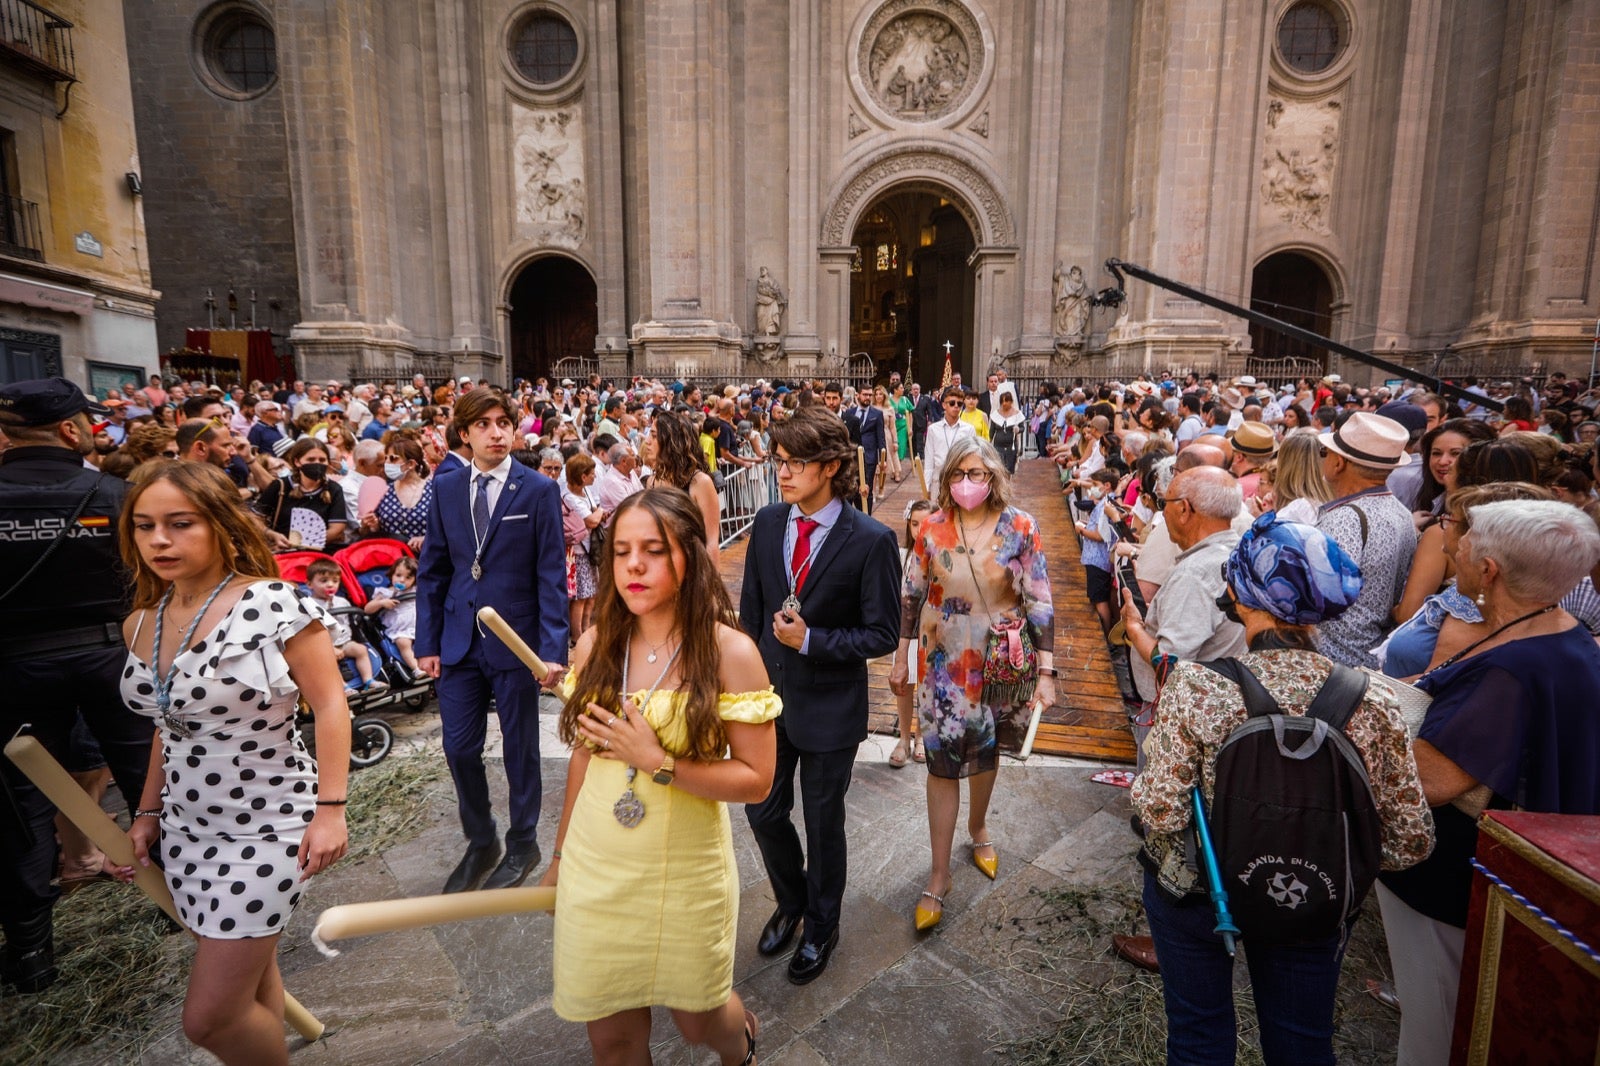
(911, 285)
(554, 314)
(1294, 288)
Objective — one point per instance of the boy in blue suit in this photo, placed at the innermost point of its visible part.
(494, 540)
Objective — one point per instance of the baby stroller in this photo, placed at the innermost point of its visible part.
(366, 564)
(371, 738)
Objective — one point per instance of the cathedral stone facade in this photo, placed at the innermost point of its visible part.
(711, 187)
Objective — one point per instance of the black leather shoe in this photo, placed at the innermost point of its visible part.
(515, 867)
(472, 868)
(29, 972)
(28, 962)
(811, 959)
(776, 933)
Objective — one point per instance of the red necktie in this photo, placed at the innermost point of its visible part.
(800, 562)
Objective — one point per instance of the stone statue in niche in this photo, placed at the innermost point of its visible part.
(1072, 296)
(1302, 145)
(919, 65)
(548, 156)
(771, 303)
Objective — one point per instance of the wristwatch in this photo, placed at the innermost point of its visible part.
(667, 771)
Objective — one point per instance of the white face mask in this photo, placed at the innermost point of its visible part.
(393, 471)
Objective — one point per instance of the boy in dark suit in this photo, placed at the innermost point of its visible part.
(494, 540)
(821, 596)
(865, 423)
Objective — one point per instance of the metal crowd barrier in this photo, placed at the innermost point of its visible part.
(744, 491)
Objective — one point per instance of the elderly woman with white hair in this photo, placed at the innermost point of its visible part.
(1512, 724)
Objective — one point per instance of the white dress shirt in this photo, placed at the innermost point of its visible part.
(496, 484)
(941, 435)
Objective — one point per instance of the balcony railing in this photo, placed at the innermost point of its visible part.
(38, 40)
(20, 234)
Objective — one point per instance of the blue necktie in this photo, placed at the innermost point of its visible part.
(480, 508)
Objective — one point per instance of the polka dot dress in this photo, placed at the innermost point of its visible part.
(241, 787)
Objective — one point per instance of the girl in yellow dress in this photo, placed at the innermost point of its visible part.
(647, 890)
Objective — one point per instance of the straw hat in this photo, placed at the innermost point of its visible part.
(1369, 439)
(1255, 439)
(1233, 398)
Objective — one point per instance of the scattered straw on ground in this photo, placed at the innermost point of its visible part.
(124, 965)
(120, 963)
(1058, 943)
(389, 801)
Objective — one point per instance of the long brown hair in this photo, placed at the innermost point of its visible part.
(678, 454)
(240, 542)
(702, 605)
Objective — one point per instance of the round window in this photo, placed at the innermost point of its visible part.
(544, 48)
(1309, 37)
(241, 51)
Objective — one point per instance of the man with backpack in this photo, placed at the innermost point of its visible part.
(1309, 788)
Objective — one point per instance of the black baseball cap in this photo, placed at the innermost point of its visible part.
(41, 402)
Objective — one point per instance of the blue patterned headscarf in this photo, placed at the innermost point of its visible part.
(1294, 572)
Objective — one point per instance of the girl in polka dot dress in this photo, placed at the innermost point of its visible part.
(234, 811)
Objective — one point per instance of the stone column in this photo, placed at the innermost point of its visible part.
(833, 313)
(603, 95)
(1536, 300)
(689, 322)
(1044, 163)
(995, 282)
(803, 342)
(1184, 118)
(472, 332)
(333, 100)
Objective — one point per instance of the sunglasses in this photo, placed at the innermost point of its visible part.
(170, 454)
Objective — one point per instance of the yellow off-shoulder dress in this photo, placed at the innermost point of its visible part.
(646, 916)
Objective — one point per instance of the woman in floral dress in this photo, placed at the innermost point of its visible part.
(975, 561)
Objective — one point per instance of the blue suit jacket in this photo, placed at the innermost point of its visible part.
(866, 429)
(524, 570)
(851, 605)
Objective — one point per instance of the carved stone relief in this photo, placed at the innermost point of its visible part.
(1297, 167)
(981, 125)
(920, 60)
(856, 126)
(548, 160)
(977, 201)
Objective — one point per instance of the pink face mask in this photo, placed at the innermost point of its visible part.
(969, 494)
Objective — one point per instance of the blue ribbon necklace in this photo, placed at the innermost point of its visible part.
(164, 683)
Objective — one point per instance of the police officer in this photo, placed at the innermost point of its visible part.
(63, 594)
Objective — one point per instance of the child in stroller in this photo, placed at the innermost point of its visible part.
(322, 577)
(395, 604)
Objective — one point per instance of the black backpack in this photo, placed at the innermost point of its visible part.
(1296, 831)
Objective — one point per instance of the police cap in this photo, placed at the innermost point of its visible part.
(41, 402)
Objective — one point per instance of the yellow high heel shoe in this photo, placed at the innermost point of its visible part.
(990, 867)
(927, 919)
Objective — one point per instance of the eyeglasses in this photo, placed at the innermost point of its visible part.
(393, 459)
(793, 466)
(1162, 501)
(1447, 520)
(977, 477)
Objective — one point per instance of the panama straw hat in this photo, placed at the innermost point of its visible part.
(1255, 438)
(1369, 439)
